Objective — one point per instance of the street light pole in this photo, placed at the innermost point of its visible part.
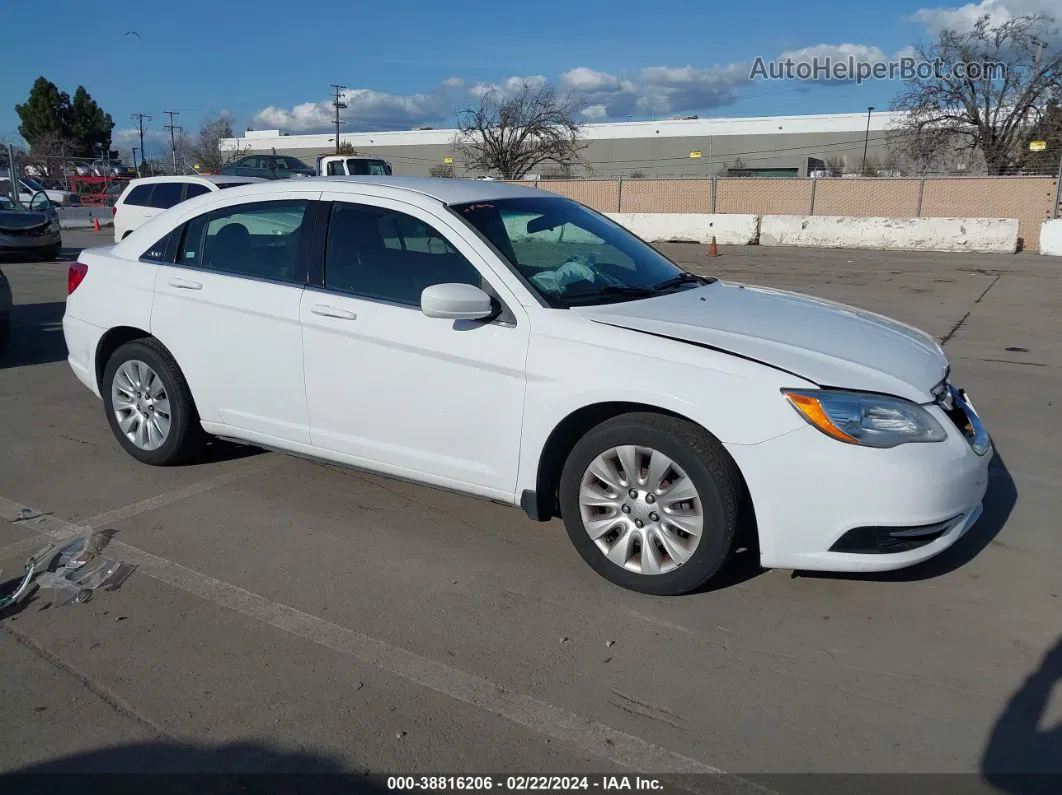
(866, 140)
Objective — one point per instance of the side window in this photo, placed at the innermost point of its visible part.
(390, 256)
(140, 196)
(193, 189)
(260, 239)
(160, 252)
(335, 168)
(166, 195)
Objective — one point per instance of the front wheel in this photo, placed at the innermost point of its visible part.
(651, 502)
(149, 406)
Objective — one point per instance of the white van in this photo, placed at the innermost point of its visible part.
(145, 198)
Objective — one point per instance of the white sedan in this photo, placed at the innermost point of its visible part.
(512, 344)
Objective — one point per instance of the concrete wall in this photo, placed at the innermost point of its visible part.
(1051, 237)
(737, 230)
(999, 235)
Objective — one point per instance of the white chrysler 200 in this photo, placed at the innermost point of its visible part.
(515, 345)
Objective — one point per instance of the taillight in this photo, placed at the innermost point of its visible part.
(76, 275)
(114, 210)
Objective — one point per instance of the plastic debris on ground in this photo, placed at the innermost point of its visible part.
(73, 570)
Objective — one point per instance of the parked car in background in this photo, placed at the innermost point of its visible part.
(112, 168)
(30, 230)
(513, 344)
(143, 199)
(7, 304)
(28, 186)
(268, 167)
(352, 165)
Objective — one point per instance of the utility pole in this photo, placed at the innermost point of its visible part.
(139, 119)
(173, 141)
(866, 140)
(338, 104)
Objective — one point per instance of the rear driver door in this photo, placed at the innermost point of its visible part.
(228, 310)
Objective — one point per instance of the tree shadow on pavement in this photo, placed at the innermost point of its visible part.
(36, 335)
(1022, 757)
(164, 767)
(998, 502)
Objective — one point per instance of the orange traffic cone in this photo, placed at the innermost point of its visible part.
(713, 250)
(96, 224)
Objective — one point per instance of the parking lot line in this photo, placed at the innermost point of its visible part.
(596, 738)
(241, 470)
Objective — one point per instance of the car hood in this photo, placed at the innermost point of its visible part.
(17, 220)
(830, 344)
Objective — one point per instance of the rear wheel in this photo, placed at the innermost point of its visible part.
(149, 406)
(651, 502)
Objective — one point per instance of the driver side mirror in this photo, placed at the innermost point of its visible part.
(456, 301)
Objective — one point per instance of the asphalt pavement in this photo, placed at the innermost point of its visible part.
(286, 615)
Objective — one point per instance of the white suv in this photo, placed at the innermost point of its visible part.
(513, 344)
(145, 198)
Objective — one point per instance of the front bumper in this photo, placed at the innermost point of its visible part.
(12, 244)
(812, 495)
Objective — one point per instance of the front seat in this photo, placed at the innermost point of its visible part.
(231, 249)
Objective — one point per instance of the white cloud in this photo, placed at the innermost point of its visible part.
(835, 52)
(594, 112)
(453, 82)
(962, 18)
(589, 81)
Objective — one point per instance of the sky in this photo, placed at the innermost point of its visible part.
(404, 64)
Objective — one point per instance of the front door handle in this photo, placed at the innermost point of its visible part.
(331, 311)
(185, 284)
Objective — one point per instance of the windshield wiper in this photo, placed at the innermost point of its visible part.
(611, 289)
(682, 278)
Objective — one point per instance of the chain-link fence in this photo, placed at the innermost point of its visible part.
(1031, 200)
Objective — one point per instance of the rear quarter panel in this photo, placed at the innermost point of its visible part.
(115, 292)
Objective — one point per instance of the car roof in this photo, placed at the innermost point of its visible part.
(447, 191)
(216, 179)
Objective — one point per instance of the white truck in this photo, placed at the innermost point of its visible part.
(335, 165)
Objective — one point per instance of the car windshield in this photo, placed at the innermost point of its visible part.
(290, 163)
(571, 255)
(32, 184)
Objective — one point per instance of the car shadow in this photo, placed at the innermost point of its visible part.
(998, 503)
(1021, 756)
(36, 335)
(220, 450)
(165, 766)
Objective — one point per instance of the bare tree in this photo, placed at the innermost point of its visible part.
(991, 112)
(512, 135)
(835, 166)
(206, 147)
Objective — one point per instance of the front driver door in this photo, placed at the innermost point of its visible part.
(395, 390)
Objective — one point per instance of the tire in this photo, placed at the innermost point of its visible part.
(50, 254)
(691, 452)
(184, 435)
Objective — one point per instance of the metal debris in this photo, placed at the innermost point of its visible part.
(74, 571)
(610, 643)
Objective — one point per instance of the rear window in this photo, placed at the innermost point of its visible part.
(195, 189)
(224, 185)
(140, 196)
(166, 195)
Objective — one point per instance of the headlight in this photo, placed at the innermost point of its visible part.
(864, 419)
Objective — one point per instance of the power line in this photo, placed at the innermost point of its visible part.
(173, 141)
(139, 119)
(338, 104)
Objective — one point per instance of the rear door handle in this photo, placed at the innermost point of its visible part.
(185, 284)
(331, 311)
